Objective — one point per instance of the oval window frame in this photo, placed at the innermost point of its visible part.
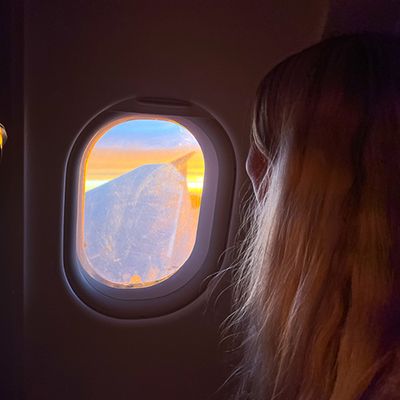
(213, 225)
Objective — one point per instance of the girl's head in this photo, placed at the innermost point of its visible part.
(321, 97)
(316, 285)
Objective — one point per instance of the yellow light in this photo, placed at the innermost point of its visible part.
(94, 183)
(3, 136)
(135, 279)
(195, 183)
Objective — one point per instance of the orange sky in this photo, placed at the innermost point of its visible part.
(105, 164)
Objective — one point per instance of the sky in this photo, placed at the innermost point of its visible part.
(145, 134)
(131, 144)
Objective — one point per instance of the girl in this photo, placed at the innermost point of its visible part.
(318, 288)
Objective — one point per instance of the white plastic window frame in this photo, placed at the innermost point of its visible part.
(213, 225)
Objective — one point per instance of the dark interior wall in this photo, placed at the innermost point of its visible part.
(11, 198)
(363, 15)
(81, 56)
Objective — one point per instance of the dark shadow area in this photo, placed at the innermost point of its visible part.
(11, 198)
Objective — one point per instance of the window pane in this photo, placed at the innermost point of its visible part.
(142, 183)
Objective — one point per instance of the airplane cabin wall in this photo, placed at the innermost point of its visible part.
(80, 57)
(11, 198)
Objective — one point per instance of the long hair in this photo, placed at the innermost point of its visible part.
(317, 287)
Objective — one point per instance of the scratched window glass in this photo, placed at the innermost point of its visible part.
(141, 190)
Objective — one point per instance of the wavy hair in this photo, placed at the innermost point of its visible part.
(317, 286)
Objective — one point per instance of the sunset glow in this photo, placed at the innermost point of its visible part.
(125, 147)
(195, 183)
(104, 165)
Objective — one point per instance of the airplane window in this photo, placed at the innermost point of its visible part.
(141, 184)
